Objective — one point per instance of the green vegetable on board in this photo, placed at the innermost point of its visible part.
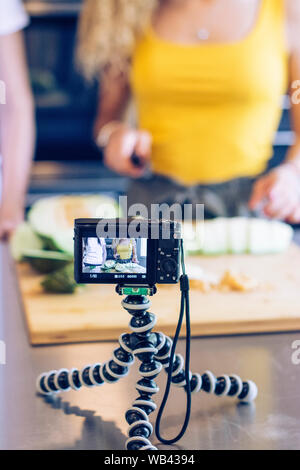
(45, 262)
(61, 281)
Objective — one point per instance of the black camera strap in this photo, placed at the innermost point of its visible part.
(184, 309)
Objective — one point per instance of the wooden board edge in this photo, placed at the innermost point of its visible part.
(220, 329)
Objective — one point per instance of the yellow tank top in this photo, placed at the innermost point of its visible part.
(212, 109)
(124, 250)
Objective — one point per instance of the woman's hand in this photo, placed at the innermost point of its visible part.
(277, 194)
(11, 215)
(122, 144)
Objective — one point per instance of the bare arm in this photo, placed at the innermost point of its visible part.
(121, 141)
(134, 252)
(104, 250)
(17, 131)
(279, 191)
(113, 98)
(293, 10)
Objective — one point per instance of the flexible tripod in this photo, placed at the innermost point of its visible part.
(153, 350)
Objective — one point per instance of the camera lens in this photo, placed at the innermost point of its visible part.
(168, 266)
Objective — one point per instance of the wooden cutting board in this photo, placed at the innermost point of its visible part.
(95, 313)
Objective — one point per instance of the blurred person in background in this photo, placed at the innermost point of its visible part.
(207, 78)
(16, 117)
(94, 253)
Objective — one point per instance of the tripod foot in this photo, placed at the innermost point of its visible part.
(225, 385)
(90, 375)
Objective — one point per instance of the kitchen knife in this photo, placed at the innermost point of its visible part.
(137, 161)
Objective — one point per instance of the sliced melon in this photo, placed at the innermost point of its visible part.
(238, 239)
(109, 264)
(281, 236)
(24, 239)
(45, 262)
(239, 235)
(193, 235)
(120, 267)
(215, 236)
(53, 218)
(259, 236)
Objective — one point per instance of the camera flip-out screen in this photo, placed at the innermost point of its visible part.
(114, 256)
(126, 252)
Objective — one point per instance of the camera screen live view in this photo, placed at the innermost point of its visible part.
(114, 255)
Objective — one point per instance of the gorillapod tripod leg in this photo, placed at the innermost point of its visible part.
(153, 350)
(97, 374)
(230, 385)
(143, 345)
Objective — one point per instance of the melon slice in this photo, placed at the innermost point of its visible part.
(24, 239)
(281, 236)
(215, 237)
(238, 235)
(259, 236)
(53, 218)
(109, 264)
(45, 262)
(267, 237)
(193, 235)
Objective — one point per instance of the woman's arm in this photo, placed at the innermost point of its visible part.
(114, 248)
(104, 251)
(17, 131)
(118, 139)
(293, 155)
(279, 190)
(134, 252)
(113, 98)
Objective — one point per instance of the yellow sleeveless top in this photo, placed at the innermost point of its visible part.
(212, 109)
(124, 250)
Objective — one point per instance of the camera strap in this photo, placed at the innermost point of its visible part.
(184, 310)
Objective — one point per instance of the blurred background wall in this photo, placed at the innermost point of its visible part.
(66, 160)
(65, 104)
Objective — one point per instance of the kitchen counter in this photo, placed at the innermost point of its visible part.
(93, 418)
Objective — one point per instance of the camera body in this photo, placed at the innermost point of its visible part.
(130, 252)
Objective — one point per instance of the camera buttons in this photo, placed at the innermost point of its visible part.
(169, 266)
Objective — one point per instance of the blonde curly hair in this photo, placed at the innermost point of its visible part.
(108, 31)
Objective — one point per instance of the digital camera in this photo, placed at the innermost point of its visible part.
(127, 251)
